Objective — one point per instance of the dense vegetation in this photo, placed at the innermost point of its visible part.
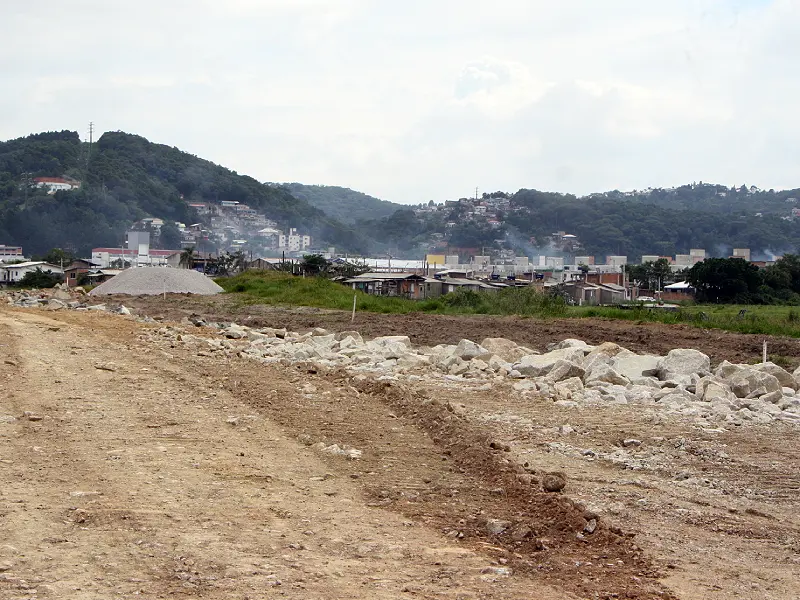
(343, 204)
(125, 178)
(736, 281)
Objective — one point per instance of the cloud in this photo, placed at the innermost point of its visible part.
(419, 100)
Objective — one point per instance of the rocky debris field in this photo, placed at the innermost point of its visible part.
(572, 373)
(211, 459)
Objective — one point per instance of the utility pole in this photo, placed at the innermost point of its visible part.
(91, 139)
(476, 192)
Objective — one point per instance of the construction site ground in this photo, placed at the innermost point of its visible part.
(130, 467)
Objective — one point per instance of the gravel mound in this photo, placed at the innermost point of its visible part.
(151, 281)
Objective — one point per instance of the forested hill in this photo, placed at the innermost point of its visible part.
(125, 178)
(343, 204)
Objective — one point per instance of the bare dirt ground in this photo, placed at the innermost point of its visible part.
(133, 467)
(431, 329)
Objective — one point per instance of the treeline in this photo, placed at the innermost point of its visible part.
(736, 281)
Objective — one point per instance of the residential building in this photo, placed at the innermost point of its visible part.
(15, 273)
(79, 267)
(293, 241)
(56, 184)
(8, 253)
(404, 285)
(697, 255)
(743, 253)
(616, 261)
(584, 260)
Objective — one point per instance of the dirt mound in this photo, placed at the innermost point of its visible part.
(151, 281)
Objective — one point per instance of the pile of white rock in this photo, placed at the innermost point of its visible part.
(571, 374)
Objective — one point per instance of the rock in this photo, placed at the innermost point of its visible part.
(467, 350)
(505, 349)
(521, 532)
(785, 378)
(498, 364)
(98, 307)
(605, 374)
(109, 366)
(6, 566)
(590, 527)
(124, 310)
(353, 335)
(497, 526)
(392, 339)
(714, 391)
(634, 366)
(554, 482)
(772, 397)
(760, 379)
(54, 304)
(568, 343)
(541, 364)
(631, 442)
(61, 294)
(568, 388)
(640, 394)
(564, 369)
(683, 362)
(319, 331)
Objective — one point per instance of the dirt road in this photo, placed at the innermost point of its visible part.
(132, 474)
(132, 466)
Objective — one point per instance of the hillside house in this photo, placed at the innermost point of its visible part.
(11, 274)
(56, 184)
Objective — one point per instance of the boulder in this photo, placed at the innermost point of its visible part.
(467, 350)
(354, 335)
(760, 379)
(683, 361)
(564, 369)
(605, 374)
(713, 390)
(639, 394)
(539, 365)
(497, 364)
(568, 388)
(568, 343)
(506, 349)
(781, 374)
(772, 397)
(634, 366)
(392, 339)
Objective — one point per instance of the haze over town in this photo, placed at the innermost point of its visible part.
(424, 100)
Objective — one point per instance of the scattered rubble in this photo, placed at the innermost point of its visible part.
(571, 374)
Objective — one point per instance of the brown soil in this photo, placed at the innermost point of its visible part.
(177, 474)
(429, 330)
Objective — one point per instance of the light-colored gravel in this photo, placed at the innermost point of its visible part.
(150, 281)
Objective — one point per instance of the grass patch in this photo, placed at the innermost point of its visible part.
(285, 289)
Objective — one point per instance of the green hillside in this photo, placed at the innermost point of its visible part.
(125, 178)
(343, 204)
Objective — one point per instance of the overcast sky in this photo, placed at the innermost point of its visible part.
(424, 99)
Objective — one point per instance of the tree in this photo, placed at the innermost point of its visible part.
(315, 264)
(59, 257)
(187, 258)
(726, 281)
(39, 279)
(170, 236)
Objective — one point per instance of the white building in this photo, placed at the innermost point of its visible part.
(293, 241)
(14, 273)
(56, 184)
(616, 261)
(9, 253)
(104, 257)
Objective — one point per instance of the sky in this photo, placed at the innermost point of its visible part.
(424, 99)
